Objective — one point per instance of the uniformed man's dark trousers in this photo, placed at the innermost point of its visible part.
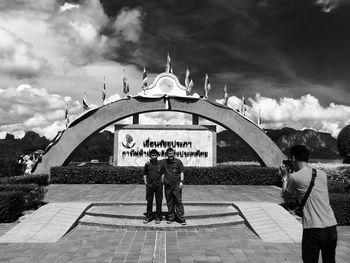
(173, 195)
(157, 191)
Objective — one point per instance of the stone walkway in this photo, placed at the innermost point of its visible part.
(48, 224)
(96, 244)
(271, 222)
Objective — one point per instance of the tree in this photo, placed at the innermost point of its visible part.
(343, 143)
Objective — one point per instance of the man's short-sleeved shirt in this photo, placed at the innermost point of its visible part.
(317, 210)
(172, 170)
(153, 172)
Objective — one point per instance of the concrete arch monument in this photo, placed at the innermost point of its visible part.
(266, 151)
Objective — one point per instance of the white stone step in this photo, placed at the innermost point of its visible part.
(128, 223)
(137, 211)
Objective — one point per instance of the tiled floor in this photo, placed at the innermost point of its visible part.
(133, 193)
(95, 244)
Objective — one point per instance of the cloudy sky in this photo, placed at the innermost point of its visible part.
(291, 59)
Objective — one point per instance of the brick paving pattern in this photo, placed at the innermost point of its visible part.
(135, 193)
(224, 244)
(94, 244)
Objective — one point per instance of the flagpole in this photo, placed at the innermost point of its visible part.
(144, 80)
(104, 90)
(66, 116)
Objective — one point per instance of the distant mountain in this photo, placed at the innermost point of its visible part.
(229, 146)
(321, 145)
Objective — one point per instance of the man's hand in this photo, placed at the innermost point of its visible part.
(283, 170)
(284, 173)
(181, 185)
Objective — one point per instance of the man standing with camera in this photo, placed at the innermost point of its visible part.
(319, 223)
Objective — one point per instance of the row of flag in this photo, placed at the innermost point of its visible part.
(242, 109)
(168, 68)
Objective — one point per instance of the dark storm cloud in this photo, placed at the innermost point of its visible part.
(281, 45)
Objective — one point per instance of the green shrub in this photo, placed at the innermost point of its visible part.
(341, 206)
(96, 175)
(39, 179)
(336, 173)
(232, 175)
(33, 194)
(11, 204)
(336, 187)
(225, 175)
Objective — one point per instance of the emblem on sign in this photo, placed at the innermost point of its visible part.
(129, 142)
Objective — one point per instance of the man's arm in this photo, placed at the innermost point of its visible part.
(182, 175)
(145, 173)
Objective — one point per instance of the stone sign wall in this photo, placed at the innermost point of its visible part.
(195, 145)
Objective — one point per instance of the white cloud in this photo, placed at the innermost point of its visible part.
(164, 118)
(17, 58)
(305, 112)
(37, 6)
(328, 5)
(67, 6)
(27, 108)
(112, 98)
(128, 24)
(81, 26)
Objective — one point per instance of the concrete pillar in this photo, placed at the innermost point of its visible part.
(135, 119)
(195, 119)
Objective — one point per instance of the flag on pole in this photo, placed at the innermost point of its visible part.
(259, 118)
(125, 85)
(168, 68)
(188, 81)
(243, 106)
(66, 117)
(207, 86)
(85, 103)
(144, 80)
(225, 95)
(104, 90)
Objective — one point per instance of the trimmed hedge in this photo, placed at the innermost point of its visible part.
(96, 175)
(33, 194)
(336, 173)
(39, 179)
(341, 206)
(224, 175)
(336, 187)
(232, 175)
(11, 204)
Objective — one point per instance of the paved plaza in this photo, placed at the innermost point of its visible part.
(222, 244)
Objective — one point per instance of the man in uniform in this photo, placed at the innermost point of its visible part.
(152, 177)
(173, 170)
